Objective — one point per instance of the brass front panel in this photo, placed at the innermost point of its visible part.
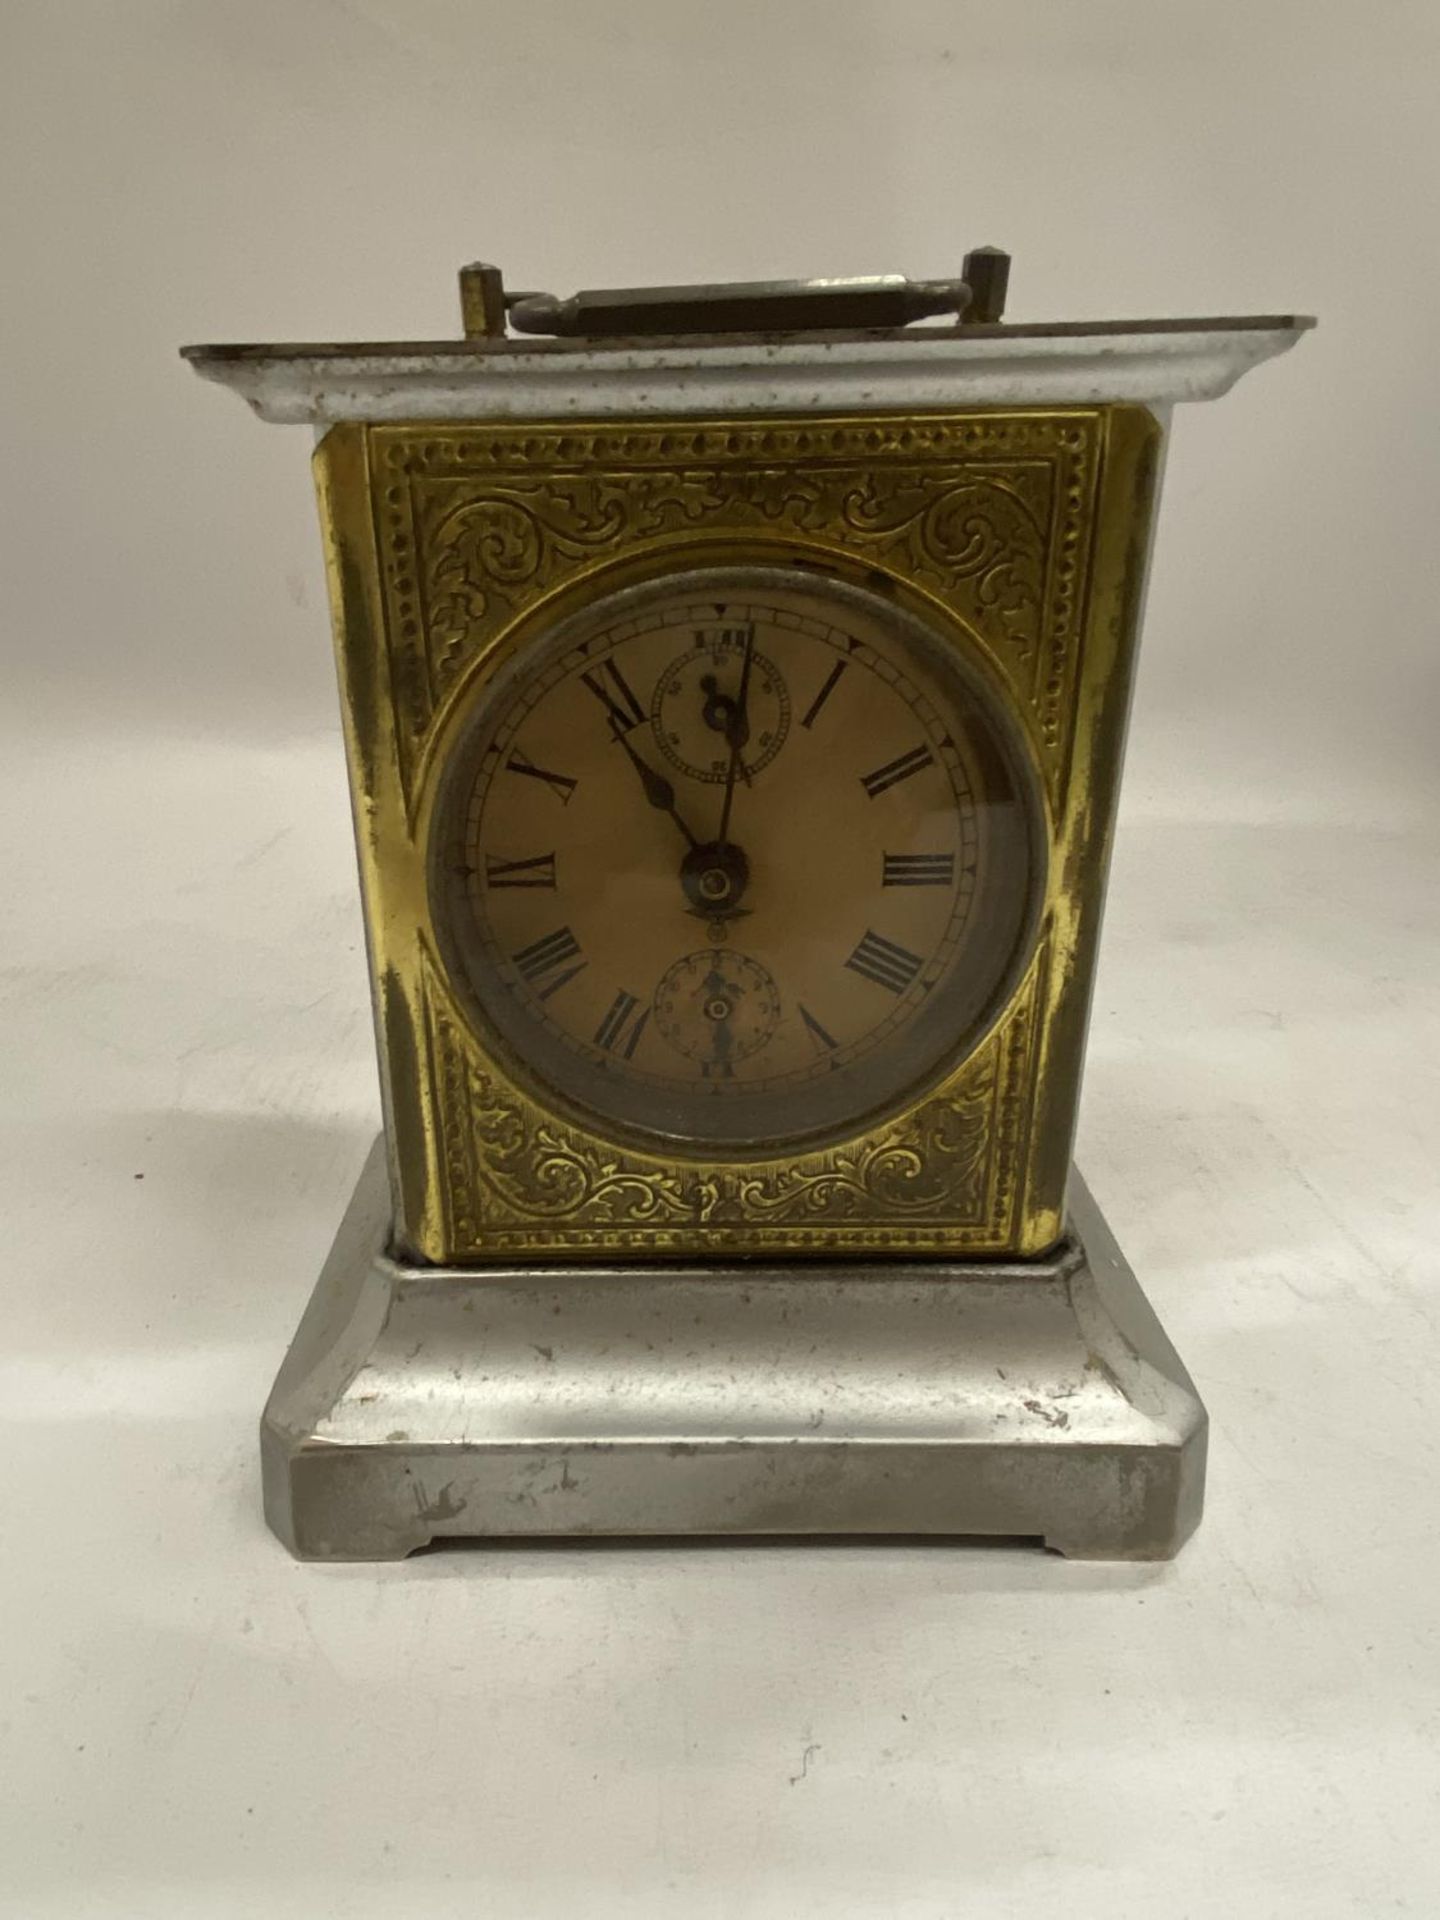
(1023, 533)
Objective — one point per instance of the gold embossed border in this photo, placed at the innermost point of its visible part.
(941, 1177)
(444, 540)
(985, 512)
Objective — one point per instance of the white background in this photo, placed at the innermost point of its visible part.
(192, 1725)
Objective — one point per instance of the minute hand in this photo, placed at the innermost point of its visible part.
(737, 732)
(658, 790)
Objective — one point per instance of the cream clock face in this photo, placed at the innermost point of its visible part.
(736, 858)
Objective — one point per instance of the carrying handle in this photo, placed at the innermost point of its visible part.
(757, 306)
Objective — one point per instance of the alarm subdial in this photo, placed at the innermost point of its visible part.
(696, 714)
(717, 1009)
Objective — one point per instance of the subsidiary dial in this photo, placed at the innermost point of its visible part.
(698, 700)
(717, 1009)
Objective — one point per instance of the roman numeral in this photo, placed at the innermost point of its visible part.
(612, 1029)
(559, 784)
(817, 1032)
(539, 964)
(894, 771)
(717, 640)
(888, 965)
(826, 689)
(919, 870)
(539, 872)
(622, 709)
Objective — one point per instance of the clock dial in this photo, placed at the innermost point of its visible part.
(739, 857)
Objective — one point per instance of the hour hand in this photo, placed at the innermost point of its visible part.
(658, 790)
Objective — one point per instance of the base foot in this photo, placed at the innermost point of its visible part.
(1037, 1398)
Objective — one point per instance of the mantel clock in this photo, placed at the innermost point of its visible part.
(734, 684)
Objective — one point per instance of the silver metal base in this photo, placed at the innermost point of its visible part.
(1037, 1398)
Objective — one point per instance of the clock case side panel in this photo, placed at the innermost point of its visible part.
(1132, 460)
(467, 1149)
(375, 757)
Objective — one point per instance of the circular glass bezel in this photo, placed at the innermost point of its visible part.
(760, 1124)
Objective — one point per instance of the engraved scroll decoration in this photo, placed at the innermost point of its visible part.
(985, 512)
(515, 1179)
(476, 525)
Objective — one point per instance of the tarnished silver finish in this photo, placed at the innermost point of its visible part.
(1083, 363)
(1038, 1399)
